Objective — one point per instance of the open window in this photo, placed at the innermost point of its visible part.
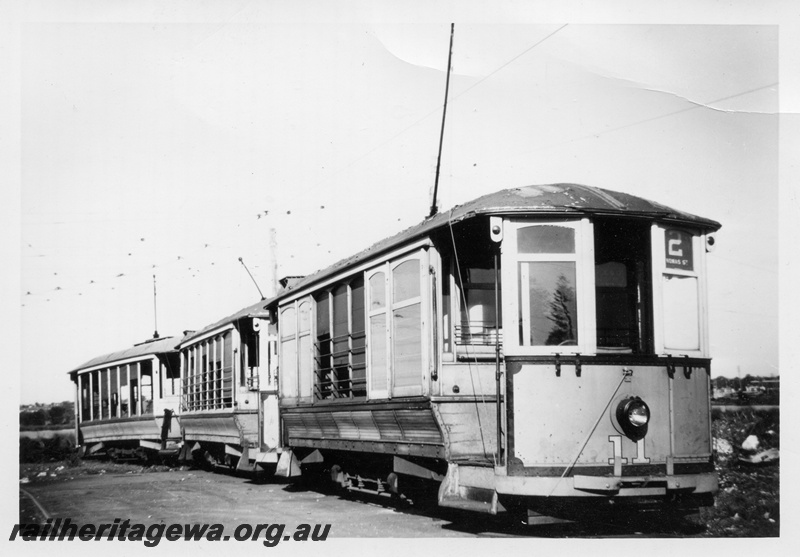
(623, 286)
(339, 348)
(208, 381)
(146, 387)
(471, 287)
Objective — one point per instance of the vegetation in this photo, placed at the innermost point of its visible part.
(55, 415)
(49, 449)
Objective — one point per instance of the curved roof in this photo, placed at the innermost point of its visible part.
(258, 309)
(150, 347)
(545, 200)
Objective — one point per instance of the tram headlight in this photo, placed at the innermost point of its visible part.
(633, 415)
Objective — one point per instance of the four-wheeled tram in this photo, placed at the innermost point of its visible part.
(127, 401)
(541, 350)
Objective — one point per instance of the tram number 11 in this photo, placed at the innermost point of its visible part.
(618, 460)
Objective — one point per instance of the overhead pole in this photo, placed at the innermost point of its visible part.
(434, 208)
(155, 308)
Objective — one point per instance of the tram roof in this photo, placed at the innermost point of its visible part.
(149, 347)
(544, 200)
(259, 309)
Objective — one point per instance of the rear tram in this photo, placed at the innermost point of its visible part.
(229, 399)
(541, 350)
(127, 401)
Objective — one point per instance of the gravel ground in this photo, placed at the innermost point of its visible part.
(747, 505)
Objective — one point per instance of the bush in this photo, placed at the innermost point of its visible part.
(59, 447)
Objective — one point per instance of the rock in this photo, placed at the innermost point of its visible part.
(59, 469)
(723, 447)
(750, 444)
(41, 475)
(24, 481)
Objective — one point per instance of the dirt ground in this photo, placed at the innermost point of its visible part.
(747, 505)
(99, 492)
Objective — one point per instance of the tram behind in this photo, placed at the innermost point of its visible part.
(127, 402)
(542, 349)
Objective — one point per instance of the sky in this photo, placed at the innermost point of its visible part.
(172, 143)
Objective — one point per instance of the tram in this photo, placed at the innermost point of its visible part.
(542, 350)
(229, 399)
(127, 402)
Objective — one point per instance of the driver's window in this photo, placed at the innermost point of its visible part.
(547, 285)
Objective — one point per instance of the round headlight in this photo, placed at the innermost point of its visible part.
(633, 415)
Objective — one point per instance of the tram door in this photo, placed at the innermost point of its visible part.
(268, 383)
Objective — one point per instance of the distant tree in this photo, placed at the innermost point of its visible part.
(721, 382)
(37, 417)
(57, 414)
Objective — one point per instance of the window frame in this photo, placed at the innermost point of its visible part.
(660, 270)
(390, 390)
(346, 347)
(583, 258)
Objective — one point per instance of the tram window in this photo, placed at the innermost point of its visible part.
(478, 314)
(114, 394)
(216, 386)
(189, 380)
(252, 349)
(548, 303)
(470, 312)
(288, 371)
(378, 345)
(406, 318)
(146, 388)
(323, 349)
(446, 309)
(340, 341)
(681, 313)
(304, 349)
(133, 391)
(203, 386)
(546, 239)
(123, 392)
(227, 370)
(84, 383)
(359, 338)
(106, 394)
(680, 292)
(622, 286)
(95, 386)
(547, 285)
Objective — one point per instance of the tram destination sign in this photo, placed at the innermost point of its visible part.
(678, 250)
